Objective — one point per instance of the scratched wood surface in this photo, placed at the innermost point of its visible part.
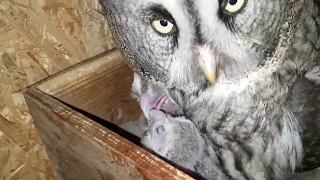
(100, 85)
(80, 148)
(39, 38)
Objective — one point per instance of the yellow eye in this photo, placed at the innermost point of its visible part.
(234, 6)
(163, 26)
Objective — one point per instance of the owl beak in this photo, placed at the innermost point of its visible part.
(207, 62)
(210, 73)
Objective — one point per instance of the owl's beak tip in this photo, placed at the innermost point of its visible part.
(210, 74)
(211, 77)
(207, 62)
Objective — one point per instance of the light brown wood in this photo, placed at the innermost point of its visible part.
(100, 85)
(39, 38)
(79, 147)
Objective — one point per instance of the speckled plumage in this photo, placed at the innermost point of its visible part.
(264, 55)
(178, 140)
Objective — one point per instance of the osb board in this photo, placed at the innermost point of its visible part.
(39, 38)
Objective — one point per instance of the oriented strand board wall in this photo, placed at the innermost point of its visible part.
(39, 38)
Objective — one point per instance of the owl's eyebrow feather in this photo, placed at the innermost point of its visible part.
(159, 12)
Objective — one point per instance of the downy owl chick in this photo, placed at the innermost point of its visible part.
(151, 96)
(177, 139)
(255, 53)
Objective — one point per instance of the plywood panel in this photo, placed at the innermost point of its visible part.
(39, 38)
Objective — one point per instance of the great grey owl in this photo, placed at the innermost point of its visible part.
(244, 71)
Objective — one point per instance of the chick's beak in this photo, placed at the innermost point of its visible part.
(207, 62)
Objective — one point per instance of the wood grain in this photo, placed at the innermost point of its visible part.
(82, 149)
(100, 85)
(39, 38)
(78, 146)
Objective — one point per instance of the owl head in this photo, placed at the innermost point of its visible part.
(189, 45)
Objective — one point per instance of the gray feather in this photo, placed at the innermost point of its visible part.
(181, 142)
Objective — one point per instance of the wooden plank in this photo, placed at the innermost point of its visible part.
(82, 149)
(104, 61)
(100, 85)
